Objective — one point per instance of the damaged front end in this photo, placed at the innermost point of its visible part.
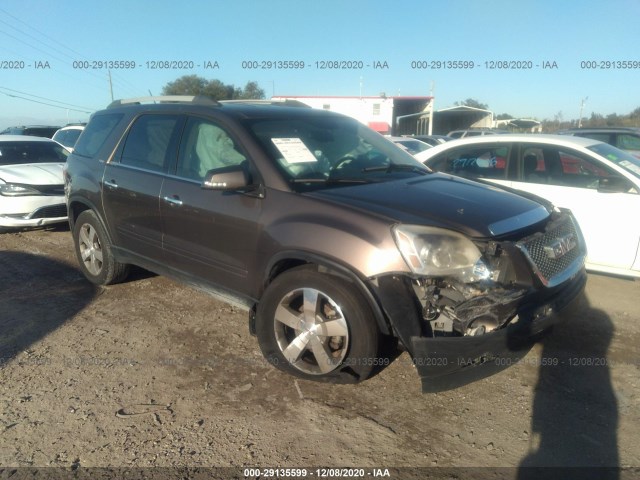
(480, 304)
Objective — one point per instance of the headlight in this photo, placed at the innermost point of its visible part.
(437, 252)
(16, 190)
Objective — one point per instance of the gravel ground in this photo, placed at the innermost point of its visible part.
(151, 373)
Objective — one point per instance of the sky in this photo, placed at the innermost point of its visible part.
(561, 56)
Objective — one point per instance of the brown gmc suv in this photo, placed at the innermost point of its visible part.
(338, 243)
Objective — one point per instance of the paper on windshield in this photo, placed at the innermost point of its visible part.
(294, 150)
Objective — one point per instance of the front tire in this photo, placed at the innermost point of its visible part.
(317, 327)
(93, 250)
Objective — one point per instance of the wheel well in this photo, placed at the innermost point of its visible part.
(285, 264)
(75, 209)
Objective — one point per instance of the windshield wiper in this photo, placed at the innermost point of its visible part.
(329, 180)
(398, 167)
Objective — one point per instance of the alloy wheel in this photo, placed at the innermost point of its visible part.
(90, 249)
(311, 331)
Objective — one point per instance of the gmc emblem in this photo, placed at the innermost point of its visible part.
(561, 246)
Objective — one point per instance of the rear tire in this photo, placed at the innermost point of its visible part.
(93, 250)
(317, 327)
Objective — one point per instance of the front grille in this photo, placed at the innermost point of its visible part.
(53, 211)
(556, 254)
(49, 189)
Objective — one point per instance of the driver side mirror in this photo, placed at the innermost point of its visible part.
(233, 178)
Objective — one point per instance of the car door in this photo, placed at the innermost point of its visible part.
(132, 182)
(488, 161)
(573, 179)
(209, 234)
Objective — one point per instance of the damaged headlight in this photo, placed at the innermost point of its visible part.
(437, 252)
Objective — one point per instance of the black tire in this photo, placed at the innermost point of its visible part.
(299, 344)
(93, 250)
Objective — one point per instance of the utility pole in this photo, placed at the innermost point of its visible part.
(581, 108)
(110, 85)
(431, 108)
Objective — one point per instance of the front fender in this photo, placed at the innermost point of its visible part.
(289, 258)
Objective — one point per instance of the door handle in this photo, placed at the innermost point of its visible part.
(111, 184)
(175, 200)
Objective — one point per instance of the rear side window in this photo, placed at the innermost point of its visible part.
(96, 133)
(628, 142)
(488, 161)
(148, 140)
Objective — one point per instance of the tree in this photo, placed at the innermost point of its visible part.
(251, 91)
(472, 102)
(186, 85)
(613, 120)
(596, 120)
(215, 89)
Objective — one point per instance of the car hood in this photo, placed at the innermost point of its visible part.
(33, 173)
(471, 208)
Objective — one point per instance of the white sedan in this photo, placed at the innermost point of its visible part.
(31, 182)
(599, 183)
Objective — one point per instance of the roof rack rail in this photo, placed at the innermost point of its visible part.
(284, 103)
(197, 99)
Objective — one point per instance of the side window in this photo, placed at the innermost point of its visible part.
(479, 161)
(533, 166)
(96, 133)
(147, 142)
(628, 142)
(205, 146)
(560, 167)
(603, 137)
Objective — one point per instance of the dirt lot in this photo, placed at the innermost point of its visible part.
(153, 373)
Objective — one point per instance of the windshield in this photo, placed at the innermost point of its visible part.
(320, 151)
(619, 157)
(15, 153)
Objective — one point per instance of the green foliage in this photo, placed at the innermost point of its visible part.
(215, 89)
(595, 120)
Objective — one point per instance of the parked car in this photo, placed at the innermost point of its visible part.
(432, 140)
(409, 144)
(31, 130)
(68, 135)
(338, 243)
(31, 185)
(474, 132)
(599, 183)
(625, 138)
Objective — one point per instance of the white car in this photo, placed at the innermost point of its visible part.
(31, 182)
(599, 183)
(68, 135)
